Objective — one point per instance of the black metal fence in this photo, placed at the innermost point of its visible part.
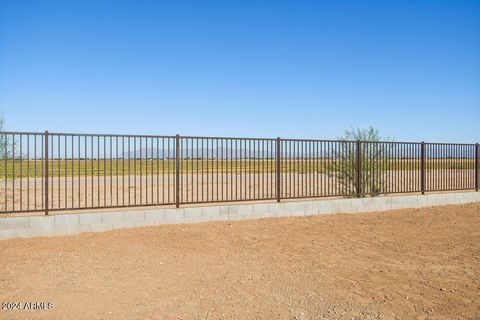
(65, 171)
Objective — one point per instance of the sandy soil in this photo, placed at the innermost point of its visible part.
(403, 264)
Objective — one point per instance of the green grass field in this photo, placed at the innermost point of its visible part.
(69, 168)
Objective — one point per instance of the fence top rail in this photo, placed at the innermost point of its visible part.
(108, 135)
(351, 141)
(230, 138)
(227, 138)
(452, 144)
(21, 133)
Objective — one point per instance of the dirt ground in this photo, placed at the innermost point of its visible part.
(403, 264)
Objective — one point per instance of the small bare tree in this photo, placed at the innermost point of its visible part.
(3, 137)
(6, 147)
(344, 167)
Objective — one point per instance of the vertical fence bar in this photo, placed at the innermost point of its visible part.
(359, 169)
(5, 161)
(277, 169)
(46, 172)
(177, 170)
(476, 167)
(422, 167)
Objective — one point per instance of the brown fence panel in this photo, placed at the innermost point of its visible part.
(390, 167)
(22, 171)
(317, 168)
(105, 171)
(216, 169)
(449, 166)
(82, 171)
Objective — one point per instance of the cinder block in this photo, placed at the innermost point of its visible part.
(178, 211)
(54, 230)
(414, 202)
(171, 215)
(275, 207)
(232, 210)
(454, 198)
(475, 195)
(133, 216)
(370, 204)
(441, 199)
(438, 199)
(405, 202)
(77, 229)
(324, 208)
(99, 227)
(170, 218)
(353, 205)
(42, 222)
(423, 199)
(200, 219)
(383, 204)
(395, 204)
(155, 215)
(337, 205)
(192, 212)
(291, 206)
(347, 205)
(365, 204)
(311, 212)
(224, 211)
(246, 210)
(305, 205)
(66, 220)
(259, 213)
(211, 211)
(182, 219)
(236, 217)
(278, 210)
(112, 217)
(89, 218)
(220, 218)
(445, 198)
(28, 232)
(462, 197)
(7, 234)
(298, 213)
(14, 223)
(261, 210)
(472, 196)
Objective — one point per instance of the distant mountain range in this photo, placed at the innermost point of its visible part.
(220, 153)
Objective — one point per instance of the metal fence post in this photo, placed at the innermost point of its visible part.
(177, 170)
(422, 167)
(359, 168)
(476, 167)
(46, 173)
(277, 169)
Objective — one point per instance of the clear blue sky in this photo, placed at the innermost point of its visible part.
(243, 68)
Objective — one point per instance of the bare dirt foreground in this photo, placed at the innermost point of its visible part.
(404, 264)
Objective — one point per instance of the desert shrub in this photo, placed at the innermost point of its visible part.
(372, 154)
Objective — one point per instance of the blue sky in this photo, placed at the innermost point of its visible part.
(245, 68)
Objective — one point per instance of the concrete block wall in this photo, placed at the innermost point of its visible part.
(76, 223)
